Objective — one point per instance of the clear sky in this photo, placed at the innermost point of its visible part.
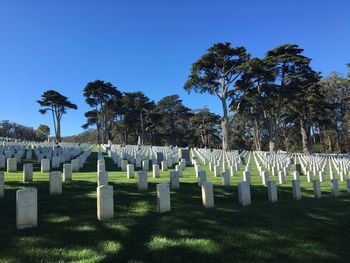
(148, 45)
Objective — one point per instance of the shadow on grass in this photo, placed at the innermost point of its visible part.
(306, 230)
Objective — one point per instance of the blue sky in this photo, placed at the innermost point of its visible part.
(148, 45)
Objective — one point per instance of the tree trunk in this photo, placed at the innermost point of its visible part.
(126, 136)
(54, 121)
(142, 127)
(224, 125)
(98, 134)
(329, 143)
(256, 135)
(58, 122)
(305, 136)
(271, 135)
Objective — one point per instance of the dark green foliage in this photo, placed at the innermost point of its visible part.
(58, 105)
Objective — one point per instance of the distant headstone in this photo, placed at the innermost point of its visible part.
(185, 154)
(102, 178)
(160, 157)
(217, 170)
(296, 168)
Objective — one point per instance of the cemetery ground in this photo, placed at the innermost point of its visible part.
(307, 230)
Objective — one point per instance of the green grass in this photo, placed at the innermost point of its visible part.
(308, 230)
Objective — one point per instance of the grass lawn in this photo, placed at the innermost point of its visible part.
(308, 230)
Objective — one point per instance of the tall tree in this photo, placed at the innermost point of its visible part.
(216, 73)
(92, 120)
(174, 122)
(206, 127)
(43, 132)
(286, 61)
(104, 98)
(58, 104)
(255, 86)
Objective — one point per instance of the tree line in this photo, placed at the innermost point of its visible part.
(278, 102)
(13, 130)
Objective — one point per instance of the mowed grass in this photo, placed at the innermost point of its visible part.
(308, 230)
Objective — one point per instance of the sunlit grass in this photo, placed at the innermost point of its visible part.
(308, 230)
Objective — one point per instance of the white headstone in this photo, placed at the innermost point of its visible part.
(207, 195)
(265, 177)
(322, 176)
(272, 191)
(142, 180)
(102, 178)
(11, 165)
(45, 165)
(101, 165)
(296, 189)
(55, 183)
(246, 177)
(164, 165)
(232, 170)
(202, 178)
(155, 168)
(296, 175)
(27, 172)
(163, 198)
(26, 208)
(244, 193)
(67, 172)
(317, 188)
(75, 165)
(217, 170)
(174, 180)
(105, 204)
(130, 171)
(145, 165)
(335, 187)
(178, 168)
(123, 165)
(226, 179)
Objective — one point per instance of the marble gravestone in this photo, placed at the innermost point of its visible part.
(163, 198)
(26, 208)
(105, 203)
